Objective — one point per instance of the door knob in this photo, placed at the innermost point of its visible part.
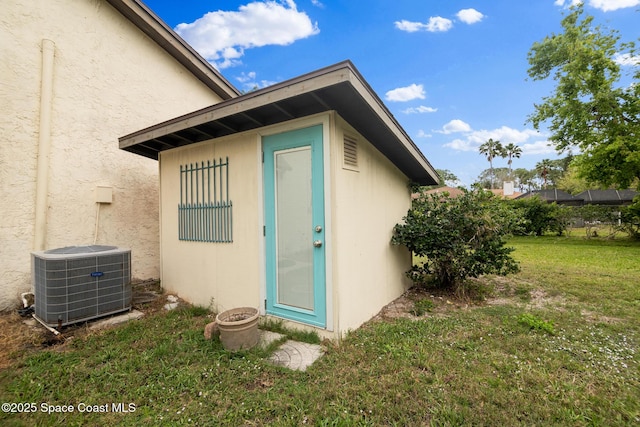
(317, 243)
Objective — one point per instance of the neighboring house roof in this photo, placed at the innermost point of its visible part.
(453, 192)
(552, 195)
(607, 197)
(142, 17)
(339, 87)
(500, 193)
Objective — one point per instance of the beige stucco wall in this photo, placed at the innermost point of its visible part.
(367, 203)
(216, 275)
(109, 79)
(365, 271)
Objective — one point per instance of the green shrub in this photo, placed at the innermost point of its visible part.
(630, 218)
(458, 238)
(538, 217)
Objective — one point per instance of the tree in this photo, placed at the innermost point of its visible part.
(525, 179)
(498, 176)
(492, 149)
(457, 237)
(572, 183)
(543, 168)
(511, 150)
(445, 177)
(590, 109)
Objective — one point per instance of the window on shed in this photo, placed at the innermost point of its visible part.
(205, 211)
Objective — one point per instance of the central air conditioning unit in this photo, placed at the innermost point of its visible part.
(79, 283)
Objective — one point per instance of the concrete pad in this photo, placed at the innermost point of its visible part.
(116, 320)
(296, 355)
(268, 337)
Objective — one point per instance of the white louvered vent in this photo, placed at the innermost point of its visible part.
(350, 153)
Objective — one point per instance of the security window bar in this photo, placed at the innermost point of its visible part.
(205, 211)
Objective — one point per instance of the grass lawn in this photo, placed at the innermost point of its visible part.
(556, 344)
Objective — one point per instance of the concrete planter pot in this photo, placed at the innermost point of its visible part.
(238, 328)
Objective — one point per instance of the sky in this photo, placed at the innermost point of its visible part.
(453, 73)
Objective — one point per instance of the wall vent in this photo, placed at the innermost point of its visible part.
(350, 152)
(79, 283)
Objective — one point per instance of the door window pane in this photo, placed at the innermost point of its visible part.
(294, 230)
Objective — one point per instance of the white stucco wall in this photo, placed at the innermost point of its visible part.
(109, 79)
(368, 271)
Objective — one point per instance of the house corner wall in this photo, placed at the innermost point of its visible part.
(109, 79)
(368, 201)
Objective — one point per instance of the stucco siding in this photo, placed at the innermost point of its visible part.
(368, 202)
(109, 79)
(219, 275)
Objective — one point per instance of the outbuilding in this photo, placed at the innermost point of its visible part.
(285, 199)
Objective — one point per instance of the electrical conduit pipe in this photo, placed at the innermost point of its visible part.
(44, 146)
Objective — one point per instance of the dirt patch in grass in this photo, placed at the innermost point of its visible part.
(492, 290)
(595, 318)
(442, 302)
(17, 337)
(20, 335)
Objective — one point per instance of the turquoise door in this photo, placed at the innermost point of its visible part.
(294, 225)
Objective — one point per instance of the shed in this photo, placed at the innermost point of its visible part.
(285, 199)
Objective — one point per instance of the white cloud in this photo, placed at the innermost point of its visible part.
(408, 93)
(604, 5)
(435, 24)
(527, 139)
(568, 3)
(423, 134)
(246, 77)
(250, 83)
(626, 59)
(538, 147)
(455, 126)
(608, 5)
(460, 145)
(221, 37)
(410, 26)
(470, 16)
(420, 110)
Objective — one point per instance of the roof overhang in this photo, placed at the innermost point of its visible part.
(148, 22)
(338, 88)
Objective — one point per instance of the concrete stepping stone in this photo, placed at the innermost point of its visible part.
(296, 355)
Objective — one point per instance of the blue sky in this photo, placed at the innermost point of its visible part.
(453, 73)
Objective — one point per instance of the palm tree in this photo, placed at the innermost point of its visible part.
(491, 149)
(543, 168)
(512, 150)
